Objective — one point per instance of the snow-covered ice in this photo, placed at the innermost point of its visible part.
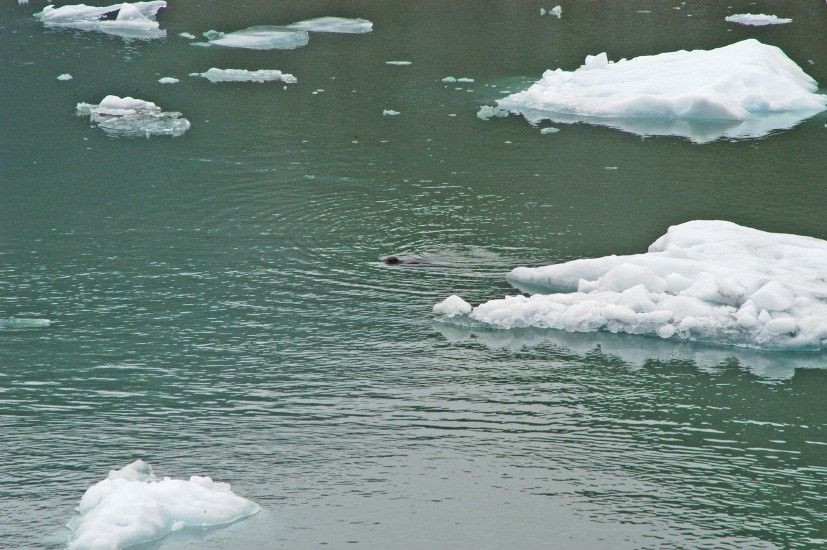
(131, 506)
(129, 117)
(743, 90)
(135, 20)
(705, 281)
(756, 20)
(243, 75)
(334, 24)
(263, 37)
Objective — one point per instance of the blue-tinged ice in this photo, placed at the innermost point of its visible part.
(129, 117)
(132, 506)
(704, 281)
(744, 90)
(131, 21)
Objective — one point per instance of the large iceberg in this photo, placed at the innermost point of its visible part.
(129, 117)
(704, 281)
(334, 24)
(744, 90)
(243, 75)
(262, 37)
(131, 506)
(136, 20)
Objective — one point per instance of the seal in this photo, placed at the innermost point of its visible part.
(393, 260)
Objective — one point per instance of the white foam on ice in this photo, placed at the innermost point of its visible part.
(334, 24)
(135, 20)
(129, 117)
(242, 75)
(756, 20)
(263, 37)
(131, 506)
(706, 281)
(743, 90)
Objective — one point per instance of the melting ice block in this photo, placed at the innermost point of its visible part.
(744, 90)
(334, 24)
(264, 37)
(129, 117)
(705, 281)
(136, 20)
(242, 75)
(758, 20)
(131, 506)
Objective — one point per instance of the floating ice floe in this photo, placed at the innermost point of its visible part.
(758, 20)
(556, 11)
(136, 20)
(390, 112)
(21, 322)
(242, 75)
(451, 79)
(64, 76)
(398, 63)
(704, 281)
(168, 80)
(744, 90)
(131, 506)
(264, 37)
(129, 117)
(334, 25)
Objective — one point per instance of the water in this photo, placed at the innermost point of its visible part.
(219, 306)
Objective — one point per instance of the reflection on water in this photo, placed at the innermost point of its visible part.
(219, 306)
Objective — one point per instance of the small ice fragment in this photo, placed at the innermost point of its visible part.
(487, 112)
(465, 80)
(263, 37)
(449, 79)
(168, 80)
(129, 117)
(557, 11)
(549, 130)
(18, 322)
(398, 63)
(390, 112)
(65, 76)
(542, 11)
(187, 35)
(243, 75)
(452, 306)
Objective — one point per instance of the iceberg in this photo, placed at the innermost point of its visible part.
(131, 506)
(759, 20)
(744, 90)
(241, 75)
(334, 24)
(129, 117)
(703, 281)
(263, 37)
(131, 21)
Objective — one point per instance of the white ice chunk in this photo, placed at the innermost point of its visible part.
(390, 112)
(21, 322)
(264, 37)
(547, 130)
(187, 35)
(557, 11)
(135, 20)
(168, 80)
(743, 90)
(334, 24)
(242, 75)
(756, 20)
(64, 76)
(452, 306)
(131, 506)
(403, 63)
(129, 117)
(710, 281)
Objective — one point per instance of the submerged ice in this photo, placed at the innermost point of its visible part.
(262, 37)
(706, 281)
(743, 90)
(131, 506)
(135, 20)
(129, 117)
(334, 25)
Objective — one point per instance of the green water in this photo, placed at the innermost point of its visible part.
(219, 306)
